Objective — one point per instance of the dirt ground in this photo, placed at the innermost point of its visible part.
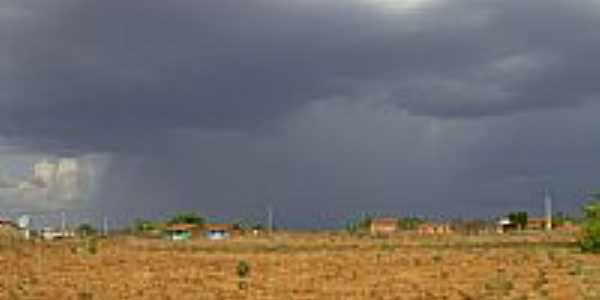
(302, 266)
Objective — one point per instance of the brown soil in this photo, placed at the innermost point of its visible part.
(302, 266)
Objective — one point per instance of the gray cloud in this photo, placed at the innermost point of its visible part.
(229, 105)
(239, 65)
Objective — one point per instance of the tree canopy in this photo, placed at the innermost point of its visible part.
(519, 218)
(361, 223)
(590, 240)
(409, 223)
(187, 218)
(143, 225)
(86, 229)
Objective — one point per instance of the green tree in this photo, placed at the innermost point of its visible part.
(410, 223)
(86, 229)
(142, 225)
(590, 238)
(187, 218)
(361, 223)
(519, 218)
(560, 218)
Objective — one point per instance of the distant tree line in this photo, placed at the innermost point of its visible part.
(145, 225)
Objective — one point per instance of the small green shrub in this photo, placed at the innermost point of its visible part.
(87, 245)
(359, 224)
(243, 269)
(590, 238)
(86, 229)
(410, 223)
(92, 245)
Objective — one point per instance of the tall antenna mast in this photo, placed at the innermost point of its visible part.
(63, 221)
(105, 226)
(548, 208)
(270, 219)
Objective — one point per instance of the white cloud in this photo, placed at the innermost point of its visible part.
(48, 184)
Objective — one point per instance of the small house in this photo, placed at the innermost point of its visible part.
(434, 229)
(473, 227)
(180, 232)
(49, 234)
(219, 231)
(8, 228)
(567, 227)
(505, 225)
(383, 226)
(536, 223)
(7, 224)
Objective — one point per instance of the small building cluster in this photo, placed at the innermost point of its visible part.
(383, 226)
(182, 232)
(388, 226)
(49, 234)
(434, 229)
(505, 225)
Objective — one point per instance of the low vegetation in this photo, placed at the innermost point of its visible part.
(410, 223)
(325, 265)
(590, 239)
(359, 224)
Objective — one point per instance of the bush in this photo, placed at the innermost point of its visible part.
(362, 223)
(86, 229)
(410, 223)
(590, 238)
(187, 218)
(141, 225)
(92, 245)
(243, 269)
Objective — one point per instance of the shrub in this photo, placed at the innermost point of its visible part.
(359, 224)
(590, 238)
(142, 225)
(410, 223)
(92, 245)
(86, 229)
(243, 269)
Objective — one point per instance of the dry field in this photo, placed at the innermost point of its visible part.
(303, 266)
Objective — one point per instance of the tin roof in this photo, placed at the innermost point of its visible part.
(181, 227)
(384, 222)
(219, 227)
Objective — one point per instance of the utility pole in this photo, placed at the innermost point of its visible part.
(548, 207)
(105, 226)
(63, 222)
(270, 219)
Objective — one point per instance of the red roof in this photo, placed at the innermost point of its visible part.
(181, 227)
(219, 227)
(384, 222)
(8, 222)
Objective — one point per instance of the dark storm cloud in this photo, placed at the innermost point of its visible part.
(98, 72)
(398, 106)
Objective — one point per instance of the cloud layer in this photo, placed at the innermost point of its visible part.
(350, 105)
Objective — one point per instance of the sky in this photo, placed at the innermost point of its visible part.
(322, 109)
